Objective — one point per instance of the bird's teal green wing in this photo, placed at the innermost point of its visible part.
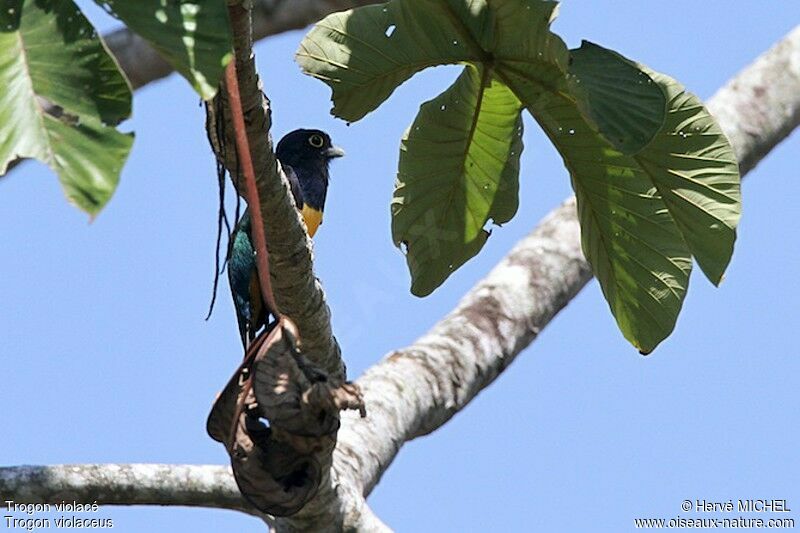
(243, 279)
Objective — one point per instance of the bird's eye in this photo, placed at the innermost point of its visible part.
(316, 141)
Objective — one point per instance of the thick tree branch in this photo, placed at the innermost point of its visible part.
(142, 64)
(761, 106)
(125, 484)
(414, 391)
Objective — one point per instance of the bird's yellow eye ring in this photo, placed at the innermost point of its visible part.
(316, 141)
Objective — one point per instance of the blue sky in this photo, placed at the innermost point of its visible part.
(106, 357)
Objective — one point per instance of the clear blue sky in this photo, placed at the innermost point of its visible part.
(106, 357)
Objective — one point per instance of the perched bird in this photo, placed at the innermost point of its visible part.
(304, 156)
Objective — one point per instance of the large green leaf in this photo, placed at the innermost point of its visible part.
(459, 167)
(628, 235)
(643, 215)
(364, 54)
(655, 179)
(192, 35)
(60, 92)
(688, 159)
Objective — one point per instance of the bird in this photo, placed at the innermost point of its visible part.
(304, 155)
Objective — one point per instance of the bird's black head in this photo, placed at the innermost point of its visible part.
(307, 149)
(307, 153)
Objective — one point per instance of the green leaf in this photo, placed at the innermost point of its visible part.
(643, 215)
(459, 167)
(621, 100)
(677, 143)
(656, 181)
(364, 54)
(694, 168)
(59, 92)
(525, 46)
(194, 36)
(627, 233)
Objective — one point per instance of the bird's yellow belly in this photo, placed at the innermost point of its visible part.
(313, 219)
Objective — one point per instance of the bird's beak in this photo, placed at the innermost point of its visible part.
(334, 151)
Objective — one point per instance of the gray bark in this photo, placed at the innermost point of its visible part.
(127, 484)
(413, 391)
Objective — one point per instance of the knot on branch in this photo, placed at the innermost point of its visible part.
(278, 417)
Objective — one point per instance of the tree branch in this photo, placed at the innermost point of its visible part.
(414, 391)
(125, 484)
(761, 106)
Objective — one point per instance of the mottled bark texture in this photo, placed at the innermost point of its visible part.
(761, 106)
(415, 390)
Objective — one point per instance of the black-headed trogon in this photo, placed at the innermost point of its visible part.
(304, 156)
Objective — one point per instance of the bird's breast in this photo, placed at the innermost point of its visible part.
(313, 219)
